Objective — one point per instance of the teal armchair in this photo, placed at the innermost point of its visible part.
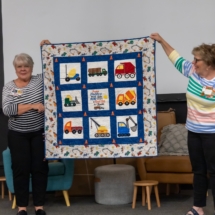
(60, 176)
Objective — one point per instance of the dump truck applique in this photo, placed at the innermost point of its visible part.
(126, 69)
(69, 128)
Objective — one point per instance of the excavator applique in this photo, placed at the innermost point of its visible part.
(124, 129)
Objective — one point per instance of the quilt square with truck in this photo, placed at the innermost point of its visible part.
(100, 99)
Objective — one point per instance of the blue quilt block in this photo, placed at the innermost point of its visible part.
(100, 99)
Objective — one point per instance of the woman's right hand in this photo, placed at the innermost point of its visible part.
(43, 42)
(39, 107)
(156, 37)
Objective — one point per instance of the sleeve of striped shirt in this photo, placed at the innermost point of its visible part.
(183, 66)
(9, 109)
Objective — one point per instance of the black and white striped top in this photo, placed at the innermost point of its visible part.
(12, 96)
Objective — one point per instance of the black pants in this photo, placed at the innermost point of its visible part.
(202, 156)
(27, 154)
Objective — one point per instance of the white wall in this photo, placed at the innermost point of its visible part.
(184, 24)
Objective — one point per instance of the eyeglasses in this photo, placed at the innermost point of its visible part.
(196, 60)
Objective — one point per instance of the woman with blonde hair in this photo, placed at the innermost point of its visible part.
(200, 121)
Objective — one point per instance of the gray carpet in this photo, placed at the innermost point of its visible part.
(174, 204)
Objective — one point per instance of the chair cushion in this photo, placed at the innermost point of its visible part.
(173, 140)
(169, 164)
(165, 118)
(56, 168)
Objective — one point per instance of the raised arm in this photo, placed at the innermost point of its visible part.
(183, 66)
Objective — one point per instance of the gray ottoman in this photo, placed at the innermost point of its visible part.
(114, 184)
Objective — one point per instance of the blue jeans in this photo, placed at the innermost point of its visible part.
(201, 148)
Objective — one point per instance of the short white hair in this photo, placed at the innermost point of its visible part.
(23, 59)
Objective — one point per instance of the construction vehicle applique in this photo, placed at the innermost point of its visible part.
(126, 69)
(128, 98)
(124, 129)
(98, 107)
(97, 72)
(68, 102)
(102, 131)
(71, 75)
(74, 129)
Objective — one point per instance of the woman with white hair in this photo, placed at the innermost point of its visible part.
(23, 104)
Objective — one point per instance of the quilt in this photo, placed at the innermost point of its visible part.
(100, 99)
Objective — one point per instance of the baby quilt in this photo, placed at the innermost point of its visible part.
(100, 99)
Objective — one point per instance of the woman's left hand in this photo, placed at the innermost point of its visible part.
(156, 37)
(39, 107)
(43, 42)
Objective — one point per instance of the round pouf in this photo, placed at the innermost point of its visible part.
(114, 184)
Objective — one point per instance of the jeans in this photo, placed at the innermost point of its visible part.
(201, 148)
(27, 154)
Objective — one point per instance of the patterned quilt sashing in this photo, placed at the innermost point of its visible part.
(100, 99)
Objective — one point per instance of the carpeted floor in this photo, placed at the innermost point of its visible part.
(174, 204)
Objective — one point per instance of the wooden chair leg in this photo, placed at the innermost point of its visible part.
(134, 197)
(14, 202)
(143, 196)
(10, 195)
(167, 189)
(177, 190)
(148, 197)
(2, 189)
(157, 195)
(66, 197)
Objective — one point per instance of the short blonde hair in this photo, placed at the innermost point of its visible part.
(23, 59)
(207, 53)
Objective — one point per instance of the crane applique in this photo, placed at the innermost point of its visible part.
(102, 131)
